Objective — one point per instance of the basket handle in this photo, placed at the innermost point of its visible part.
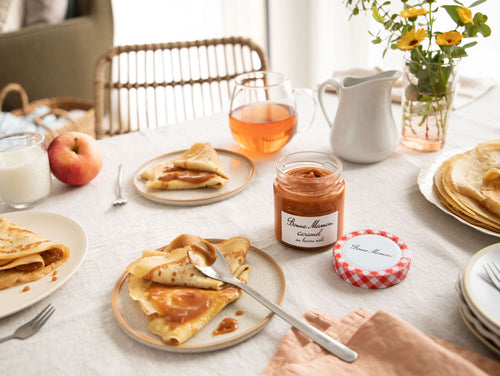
(58, 112)
(19, 90)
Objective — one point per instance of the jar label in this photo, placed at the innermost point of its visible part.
(309, 232)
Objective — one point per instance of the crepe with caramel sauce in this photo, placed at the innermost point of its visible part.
(468, 184)
(26, 256)
(198, 167)
(178, 299)
(171, 266)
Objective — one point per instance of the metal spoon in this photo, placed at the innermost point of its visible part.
(203, 253)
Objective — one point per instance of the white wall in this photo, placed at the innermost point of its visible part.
(157, 21)
(309, 38)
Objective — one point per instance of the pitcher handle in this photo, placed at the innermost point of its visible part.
(321, 92)
(309, 93)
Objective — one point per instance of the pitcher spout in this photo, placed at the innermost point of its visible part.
(390, 77)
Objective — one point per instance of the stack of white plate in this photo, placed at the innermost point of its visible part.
(479, 300)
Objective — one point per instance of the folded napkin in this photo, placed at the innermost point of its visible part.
(385, 344)
(468, 88)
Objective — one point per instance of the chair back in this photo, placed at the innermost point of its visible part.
(152, 85)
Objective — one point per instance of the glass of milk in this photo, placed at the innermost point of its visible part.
(25, 178)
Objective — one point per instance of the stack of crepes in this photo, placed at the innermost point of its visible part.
(176, 297)
(25, 256)
(468, 184)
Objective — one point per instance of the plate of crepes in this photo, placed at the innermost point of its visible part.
(163, 301)
(199, 175)
(466, 185)
(39, 252)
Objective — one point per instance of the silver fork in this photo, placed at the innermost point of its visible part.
(120, 200)
(493, 271)
(31, 327)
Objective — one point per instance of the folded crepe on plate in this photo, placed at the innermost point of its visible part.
(172, 267)
(468, 184)
(177, 298)
(198, 167)
(25, 256)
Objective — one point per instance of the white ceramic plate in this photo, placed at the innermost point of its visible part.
(480, 331)
(474, 331)
(426, 182)
(239, 168)
(479, 292)
(59, 229)
(266, 277)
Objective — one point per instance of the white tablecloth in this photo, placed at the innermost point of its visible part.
(83, 337)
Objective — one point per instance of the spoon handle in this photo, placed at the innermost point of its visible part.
(325, 341)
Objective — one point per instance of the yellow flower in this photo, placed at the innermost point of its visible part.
(412, 39)
(449, 38)
(465, 15)
(413, 12)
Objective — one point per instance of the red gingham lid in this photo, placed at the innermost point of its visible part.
(371, 259)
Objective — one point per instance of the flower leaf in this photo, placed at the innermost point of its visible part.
(376, 15)
(468, 45)
(458, 52)
(484, 30)
(475, 3)
(480, 18)
(453, 12)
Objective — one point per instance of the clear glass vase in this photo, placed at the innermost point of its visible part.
(428, 92)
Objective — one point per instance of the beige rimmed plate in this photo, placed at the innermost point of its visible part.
(59, 229)
(239, 168)
(266, 277)
(425, 182)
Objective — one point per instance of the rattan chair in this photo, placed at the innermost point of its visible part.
(152, 85)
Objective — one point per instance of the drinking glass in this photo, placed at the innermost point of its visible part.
(262, 114)
(25, 178)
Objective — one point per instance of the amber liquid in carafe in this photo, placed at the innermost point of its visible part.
(263, 127)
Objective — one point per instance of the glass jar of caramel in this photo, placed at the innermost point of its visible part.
(309, 197)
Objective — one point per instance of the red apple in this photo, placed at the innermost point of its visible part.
(75, 158)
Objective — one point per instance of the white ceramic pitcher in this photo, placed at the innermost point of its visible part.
(364, 130)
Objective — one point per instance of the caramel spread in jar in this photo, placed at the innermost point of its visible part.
(309, 198)
(227, 325)
(176, 173)
(185, 303)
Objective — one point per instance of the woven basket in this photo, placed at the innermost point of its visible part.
(59, 107)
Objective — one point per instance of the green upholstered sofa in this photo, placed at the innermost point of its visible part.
(57, 60)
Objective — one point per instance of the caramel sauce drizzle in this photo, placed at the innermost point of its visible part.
(184, 304)
(190, 176)
(227, 325)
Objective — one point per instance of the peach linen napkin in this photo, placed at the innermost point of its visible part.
(386, 346)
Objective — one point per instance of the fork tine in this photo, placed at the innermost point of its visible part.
(493, 274)
(42, 320)
(40, 314)
(496, 267)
